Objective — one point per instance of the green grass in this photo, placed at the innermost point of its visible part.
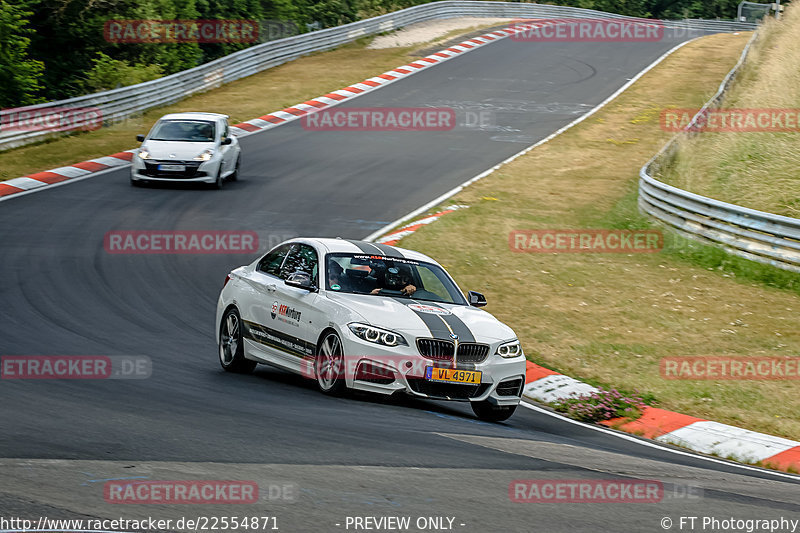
(753, 169)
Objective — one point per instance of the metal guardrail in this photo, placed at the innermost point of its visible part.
(118, 104)
(755, 235)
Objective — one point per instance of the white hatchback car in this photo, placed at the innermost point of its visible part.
(188, 147)
(353, 314)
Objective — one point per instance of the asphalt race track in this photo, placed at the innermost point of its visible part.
(63, 294)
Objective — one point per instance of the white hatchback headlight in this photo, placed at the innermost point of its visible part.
(377, 335)
(509, 349)
(144, 154)
(205, 156)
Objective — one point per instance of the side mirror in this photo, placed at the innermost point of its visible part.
(140, 138)
(301, 280)
(226, 140)
(476, 299)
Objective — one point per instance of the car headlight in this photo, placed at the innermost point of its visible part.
(377, 335)
(509, 349)
(144, 154)
(205, 156)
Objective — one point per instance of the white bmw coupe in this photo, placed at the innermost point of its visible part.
(358, 315)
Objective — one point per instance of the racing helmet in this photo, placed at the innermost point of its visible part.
(398, 276)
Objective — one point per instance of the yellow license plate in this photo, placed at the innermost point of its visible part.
(453, 375)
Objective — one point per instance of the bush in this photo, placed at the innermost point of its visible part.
(108, 73)
(601, 405)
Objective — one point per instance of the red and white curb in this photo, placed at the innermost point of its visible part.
(705, 436)
(57, 175)
(277, 118)
(404, 231)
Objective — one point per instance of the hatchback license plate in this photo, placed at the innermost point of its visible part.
(172, 168)
(453, 375)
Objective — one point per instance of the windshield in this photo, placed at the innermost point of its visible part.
(388, 276)
(183, 130)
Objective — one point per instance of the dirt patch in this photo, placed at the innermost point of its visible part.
(431, 30)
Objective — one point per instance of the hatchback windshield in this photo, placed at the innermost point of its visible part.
(183, 130)
(389, 276)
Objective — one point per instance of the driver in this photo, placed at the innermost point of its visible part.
(206, 132)
(397, 279)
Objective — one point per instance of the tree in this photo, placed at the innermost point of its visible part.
(108, 73)
(19, 74)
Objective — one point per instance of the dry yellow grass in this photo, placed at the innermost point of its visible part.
(611, 318)
(753, 169)
(257, 95)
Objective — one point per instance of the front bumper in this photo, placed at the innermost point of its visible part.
(387, 370)
(194, 171)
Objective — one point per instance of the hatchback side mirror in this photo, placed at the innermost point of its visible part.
(301, 280)
(226, 140)
(140, 138)
(476, 299)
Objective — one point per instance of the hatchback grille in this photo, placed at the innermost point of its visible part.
(441, 350)
(151, 169)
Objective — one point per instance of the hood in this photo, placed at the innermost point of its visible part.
(425, 319)
(183, 150)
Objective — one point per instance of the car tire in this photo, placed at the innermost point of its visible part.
(235, 175)
(492, 413)
(329, 364)
(218, 182)
(231, 345)
(135, 183)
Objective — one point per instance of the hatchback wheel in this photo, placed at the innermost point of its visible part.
(218, 182)
(235, 175)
